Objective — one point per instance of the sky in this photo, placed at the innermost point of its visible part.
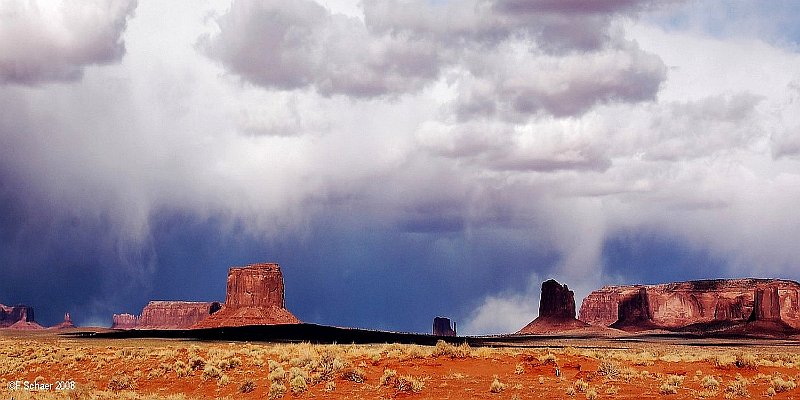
(401, 159)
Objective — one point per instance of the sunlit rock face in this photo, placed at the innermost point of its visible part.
(684, 304)
(175, 314)
(255, 296)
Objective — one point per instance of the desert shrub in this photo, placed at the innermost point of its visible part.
(591, 394)
(581, 385)
(247, 386)
(724, 360)
(446, 349)
(156, 372)
(197, 362)
(276, 374)
(519, 369)
(330, 386)
(356, 375)
(548, 358)
(121, 382)
(327, 366)
(298, 384)
(738, 387)
(181, 369)
(211, 372)
(670, 386)
(276, 390)
(781, 385)
(408, 383)
(771, 391)
(298, 380)
(709, 382)
(746, 361)
(667, 389)
(389, 377)
(609, 369)
(541, 380)
(570, 391)
(496, 386)
(612, 390)
(223, 380)
(675, 380)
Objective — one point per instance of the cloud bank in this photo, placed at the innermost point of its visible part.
(400, 159)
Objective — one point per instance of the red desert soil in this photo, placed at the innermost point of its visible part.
(107, 368)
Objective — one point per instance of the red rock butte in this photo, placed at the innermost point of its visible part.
(255, 296)
(66, 324)
(769, 304)
(442, 327)
(18, 317)
(556, 311)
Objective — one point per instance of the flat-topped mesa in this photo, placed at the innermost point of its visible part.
(556, 310)
(441, 327)
(255, 296)
(175, 314)
(682, 305)
(124, 321)
(17, 317)
(256, 285)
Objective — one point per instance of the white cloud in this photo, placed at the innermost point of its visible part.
(501, 314)
(44, 41)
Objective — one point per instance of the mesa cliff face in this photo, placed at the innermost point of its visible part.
(175, 314)
(255, 296)
(683, 304)
(556, 310)
(17, 317)
(124, 321)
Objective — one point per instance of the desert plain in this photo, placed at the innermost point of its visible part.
(539, 367)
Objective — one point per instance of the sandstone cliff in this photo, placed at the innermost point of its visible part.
(556, 311)
(17, 317)
(683, 305)
(254, 296)
(441, 327)
(175, 314)
(124, 321)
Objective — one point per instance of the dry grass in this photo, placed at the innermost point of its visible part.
(131, 369)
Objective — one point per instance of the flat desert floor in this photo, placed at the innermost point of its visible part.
(46, 366)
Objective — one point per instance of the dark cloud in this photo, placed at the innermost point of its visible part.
(58, 259)
(41, 42)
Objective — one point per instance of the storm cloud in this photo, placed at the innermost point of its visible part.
(400, 159)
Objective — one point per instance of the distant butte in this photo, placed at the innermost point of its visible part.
(556, 311)
(66, 324)
(751, 306)
(175, 314)
(18, 317)
(255, 296)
